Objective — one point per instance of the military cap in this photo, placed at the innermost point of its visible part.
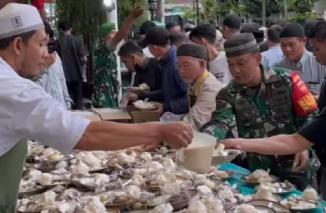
(193, 50)
(240, 44)
(17, 19)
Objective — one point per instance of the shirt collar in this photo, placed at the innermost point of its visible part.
(302, 60)
(265, 74)
(199, 82)
(169, 55)
(304, 57)
(9, 70)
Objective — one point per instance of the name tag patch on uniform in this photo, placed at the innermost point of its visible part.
(303, 101)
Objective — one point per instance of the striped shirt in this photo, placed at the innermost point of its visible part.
(310, 70)
(53, 81)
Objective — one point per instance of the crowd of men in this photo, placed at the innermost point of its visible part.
(242, 81)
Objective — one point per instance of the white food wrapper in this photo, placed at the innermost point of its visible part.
(170, 117)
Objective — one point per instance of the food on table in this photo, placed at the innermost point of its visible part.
(259, 176)
(264, 193)
(129, 180)
(279, 187)
(246, 208)
(308, 200)
(143, 105)
(141, 87)
(297, 203)
(221, 155)
(310, 195)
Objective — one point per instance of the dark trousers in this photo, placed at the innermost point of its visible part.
(322, 181)
(75, 89)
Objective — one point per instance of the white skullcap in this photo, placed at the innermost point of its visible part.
(16, 19)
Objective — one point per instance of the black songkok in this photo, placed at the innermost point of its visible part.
(292, 30)
(193, 50)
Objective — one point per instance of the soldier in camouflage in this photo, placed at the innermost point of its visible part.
(106, 84)
(261, 103)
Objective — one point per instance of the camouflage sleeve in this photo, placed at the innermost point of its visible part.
(222, 124)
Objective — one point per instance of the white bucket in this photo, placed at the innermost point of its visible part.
(199, 154)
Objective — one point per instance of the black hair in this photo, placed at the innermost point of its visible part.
(170, 25)
(308, 25)
(48, 29)
(273, 33)
(249, 28)
(64, 26)
(146, 26)
(206, 31)
(129, 48)
(157, 36)
(178, 38)
(5, 42)
(232, 21)
(318, 31)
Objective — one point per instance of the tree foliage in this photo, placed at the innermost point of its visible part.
(125, 6)
(85, 16)
(253, 8)
(302, 6)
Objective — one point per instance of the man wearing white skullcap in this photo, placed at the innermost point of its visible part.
(27, 112)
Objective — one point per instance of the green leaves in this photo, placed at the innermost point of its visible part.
(85, 16)
(253, 8)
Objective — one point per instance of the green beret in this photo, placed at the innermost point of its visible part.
(105, 29)
(193, 50)
(240, 44)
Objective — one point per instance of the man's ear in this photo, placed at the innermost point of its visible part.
(203, 63)
(258, 58)
(204, 41)
(133, 58)
(17, 45)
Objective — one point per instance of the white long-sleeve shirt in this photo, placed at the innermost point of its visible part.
(28, 112)
(205, 104)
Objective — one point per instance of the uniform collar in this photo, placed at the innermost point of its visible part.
(199, 82)
(9, 70)
(265, 76)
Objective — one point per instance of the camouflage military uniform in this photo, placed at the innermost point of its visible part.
(258, 112)
(105, 78)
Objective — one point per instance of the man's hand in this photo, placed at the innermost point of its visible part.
(136, 12)
(232, 143)
(49, 60)
(159, 108)
(301, 160)
(151, 147)
(132, 97)
(177, 134)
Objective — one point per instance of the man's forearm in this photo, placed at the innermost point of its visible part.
(276, 145)
(114, 136)
(156, 95)
(123, 31)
